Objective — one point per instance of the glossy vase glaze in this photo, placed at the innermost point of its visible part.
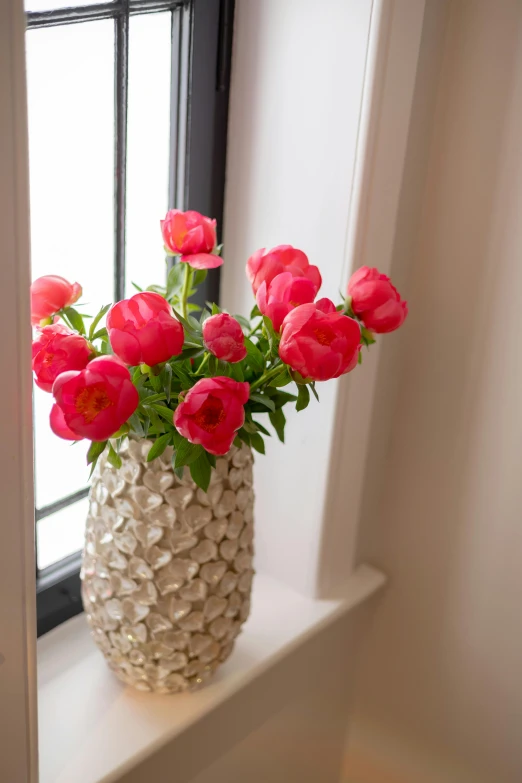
(167, 568)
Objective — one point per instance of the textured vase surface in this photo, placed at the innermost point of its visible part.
(167, 568)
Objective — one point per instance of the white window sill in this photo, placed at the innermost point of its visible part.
(92, 729)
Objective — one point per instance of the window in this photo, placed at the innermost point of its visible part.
(128, 104)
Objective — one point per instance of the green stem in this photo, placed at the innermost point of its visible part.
(255, 329)
(186, 288)
(203, 363)
(267, 376)
(66, 319)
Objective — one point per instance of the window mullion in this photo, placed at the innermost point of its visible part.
(121, 78)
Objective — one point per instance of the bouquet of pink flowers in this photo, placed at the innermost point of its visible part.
(197, 378)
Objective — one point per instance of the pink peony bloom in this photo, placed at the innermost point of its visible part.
(212, 412)
(50, 294)
(376, 301)
(55, 350)
(224, 337)
(264, 265)
(192, 236)
(59, 426)
(325, 305)
(319, 345)
(282, 294)
(142, 330)
(96, 401)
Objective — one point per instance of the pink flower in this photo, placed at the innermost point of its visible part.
(58, 425)
(325, 305)
(192, 236)
(224, 337)
(376, 301)
(212, 412)
(282, 294)
(264, 265)
(55, 350)
(95, 401)
(320, 345)
(142, 330)
(50, 294)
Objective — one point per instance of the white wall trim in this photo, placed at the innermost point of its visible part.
(393, 54)
(18, 733)
(112, 733)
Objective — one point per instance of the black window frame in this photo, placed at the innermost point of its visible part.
(200, 75)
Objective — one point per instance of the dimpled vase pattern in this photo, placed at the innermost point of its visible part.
(167, 568)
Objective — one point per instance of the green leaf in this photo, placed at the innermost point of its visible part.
(211, 458)
(183, 321)
(282, 379)
(200, 470)
(260, 427)
(195, 325)
(157, 289)
(155, 382)
(254, 356)
(273, 338)
(238, 443)
(167, 380)
(204, 315)
(113, 458)
(137, 287)
(189, 353)
(314, 392)
(263, 400)
(154, 418)
(281, 398)
(278, 421)
(186, 383)
(235, 371)
(213, 365)
(359, 358)
(367, 337)
(200, 276)
(164, 412)
(175, 280)
(244, 322)
(95, 449)
(96, 320)
(255, 312)
(257, 442)
(159, 446)
(215, 309)
(75, 318)
(178, 471)
(242, 435)
(303, 398)
(186, 453)
(101, 334)
(136, 425)
(136, 374)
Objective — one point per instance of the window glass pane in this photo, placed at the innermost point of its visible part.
(71, 123)
(61, 534)
(148, 147)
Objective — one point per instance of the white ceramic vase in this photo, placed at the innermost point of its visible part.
(167, 568)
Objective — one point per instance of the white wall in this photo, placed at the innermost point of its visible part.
(297, 81)
(440, 689)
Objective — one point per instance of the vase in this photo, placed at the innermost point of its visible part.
(167, 568)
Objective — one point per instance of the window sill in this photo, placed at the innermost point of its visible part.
(94, 730)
